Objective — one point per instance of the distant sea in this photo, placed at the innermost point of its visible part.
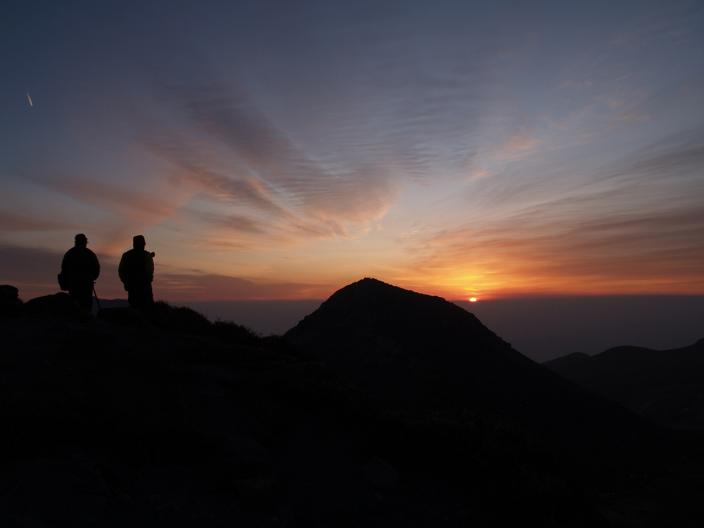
(541, 328)
(264, 317)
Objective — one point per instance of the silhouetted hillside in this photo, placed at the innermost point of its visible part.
(162, 418)
(666, 386)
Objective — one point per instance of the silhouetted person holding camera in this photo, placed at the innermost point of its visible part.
(79, 271)
(137, 272)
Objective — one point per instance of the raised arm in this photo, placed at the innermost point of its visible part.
(149, 266)
(96, 267)
(122, 269)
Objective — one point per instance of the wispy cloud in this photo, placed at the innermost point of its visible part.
(232, 222)
(11, 221)
(492, 160)
(193, 170)
(260, 168)
(517, 145)
(205, 286)
(137, 205)
(633, 225)
(123, 208)
(544, 251)
(674, 157)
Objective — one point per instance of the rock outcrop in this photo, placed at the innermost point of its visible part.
(10, 303)
(57, 305)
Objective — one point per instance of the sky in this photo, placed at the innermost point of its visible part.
(279, 150)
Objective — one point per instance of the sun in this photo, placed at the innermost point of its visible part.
(473, 299)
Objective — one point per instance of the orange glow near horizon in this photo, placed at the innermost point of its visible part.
(567, 182)
(510, 284)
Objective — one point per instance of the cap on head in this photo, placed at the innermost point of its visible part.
(138, 242)
(80, 239)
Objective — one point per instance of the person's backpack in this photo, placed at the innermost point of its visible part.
(63, 281)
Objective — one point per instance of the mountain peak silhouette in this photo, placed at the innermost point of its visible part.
(369, 293)
(407, 350)
(377, 322)
(380, 290)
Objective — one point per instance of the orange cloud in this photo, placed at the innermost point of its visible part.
(519, 144)
(11, 221)
(125, 210)
(651, 252)
(207, 286)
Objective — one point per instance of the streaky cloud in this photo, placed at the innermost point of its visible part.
(262, 169)
(195, 286)
(12, 221)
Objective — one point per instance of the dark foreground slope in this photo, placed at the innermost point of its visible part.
(665, 386)
(167, 420)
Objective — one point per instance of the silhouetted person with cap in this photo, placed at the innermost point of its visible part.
(137, 272)
(79, 271)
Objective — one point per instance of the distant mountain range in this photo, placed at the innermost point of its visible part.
(665, 386)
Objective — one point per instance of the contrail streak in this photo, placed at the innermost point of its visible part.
(29, 99)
